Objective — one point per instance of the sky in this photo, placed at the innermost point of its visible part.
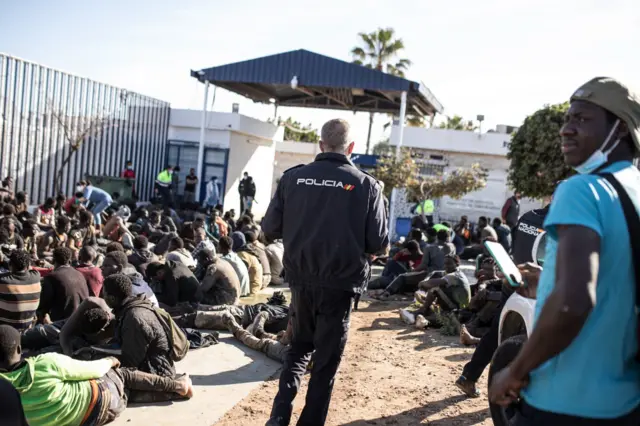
(503, 59)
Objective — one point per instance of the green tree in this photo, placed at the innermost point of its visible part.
(296, 132)
(457, 123)
(455, 184)
(537, 164)
(380, 50)
(396, 173)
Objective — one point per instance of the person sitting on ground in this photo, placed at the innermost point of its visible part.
(274, 250)
(404, 260)
(54, 238)
(223, 228)
(170, 219)
(202, 243)
(116, 262)
(433, 259)
(141, 254)
(503, 232)
(91, 273)
(450, 292)
(114, 246)
(86, 392)
(246, 223)
(90, 324)
(9, 214)
(463, 230)
(19, 292)
(153, 227)
(229, 219)
(256, 248)
(12, 238)
(220, 283)
(178, 253)
(226, 250)
(21, 202)
(46, 214)
(250, 260)
(174, 283)
(62, 290)
(83, 233)
(145, 344)
(31, 232)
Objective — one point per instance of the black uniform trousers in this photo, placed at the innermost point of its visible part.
(486, 348)
(320, 322)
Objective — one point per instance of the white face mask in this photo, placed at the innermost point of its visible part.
(79, 188)
(599, 157)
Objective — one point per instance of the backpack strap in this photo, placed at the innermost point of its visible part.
(633, 225)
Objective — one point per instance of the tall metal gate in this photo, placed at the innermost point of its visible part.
(43, 112)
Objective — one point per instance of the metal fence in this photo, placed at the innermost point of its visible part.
(45, 112)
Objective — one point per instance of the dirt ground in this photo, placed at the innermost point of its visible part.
(391, 374)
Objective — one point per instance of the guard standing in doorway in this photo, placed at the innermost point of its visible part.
(332, 218)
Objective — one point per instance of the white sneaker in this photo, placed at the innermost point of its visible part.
(407, 317)
(421, 322)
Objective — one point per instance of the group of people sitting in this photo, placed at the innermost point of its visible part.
(426, 264)
(98, 303)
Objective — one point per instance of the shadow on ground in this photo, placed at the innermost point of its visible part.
(419, 415)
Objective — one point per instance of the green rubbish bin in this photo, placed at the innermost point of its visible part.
(112, 184)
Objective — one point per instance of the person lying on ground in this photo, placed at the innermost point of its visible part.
(210, 317)
(63, 289)
(86, 392)
(226, 250)
(220, 283)
(116, 263)
(269, 346)
(449, 293)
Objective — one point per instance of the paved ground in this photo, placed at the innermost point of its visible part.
(223, 375)
(229, 375)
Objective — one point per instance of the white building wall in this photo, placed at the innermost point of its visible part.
(255, 157)
(462, 149)
(291, 154)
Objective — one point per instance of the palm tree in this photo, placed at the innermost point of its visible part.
(457, 123)
(380, 50)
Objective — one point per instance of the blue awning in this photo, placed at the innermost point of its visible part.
(306, 79)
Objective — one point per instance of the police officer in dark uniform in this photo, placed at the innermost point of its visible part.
(331, 217)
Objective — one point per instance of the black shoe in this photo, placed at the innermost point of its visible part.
(276, 421)
(467, 387)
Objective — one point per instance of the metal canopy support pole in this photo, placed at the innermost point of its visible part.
(203, 123)
(394, 191)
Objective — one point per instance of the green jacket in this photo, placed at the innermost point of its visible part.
(55, 389)
(427, 205)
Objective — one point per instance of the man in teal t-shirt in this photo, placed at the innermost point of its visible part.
(578, 366)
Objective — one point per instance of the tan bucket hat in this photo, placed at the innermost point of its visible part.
(616, 98)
